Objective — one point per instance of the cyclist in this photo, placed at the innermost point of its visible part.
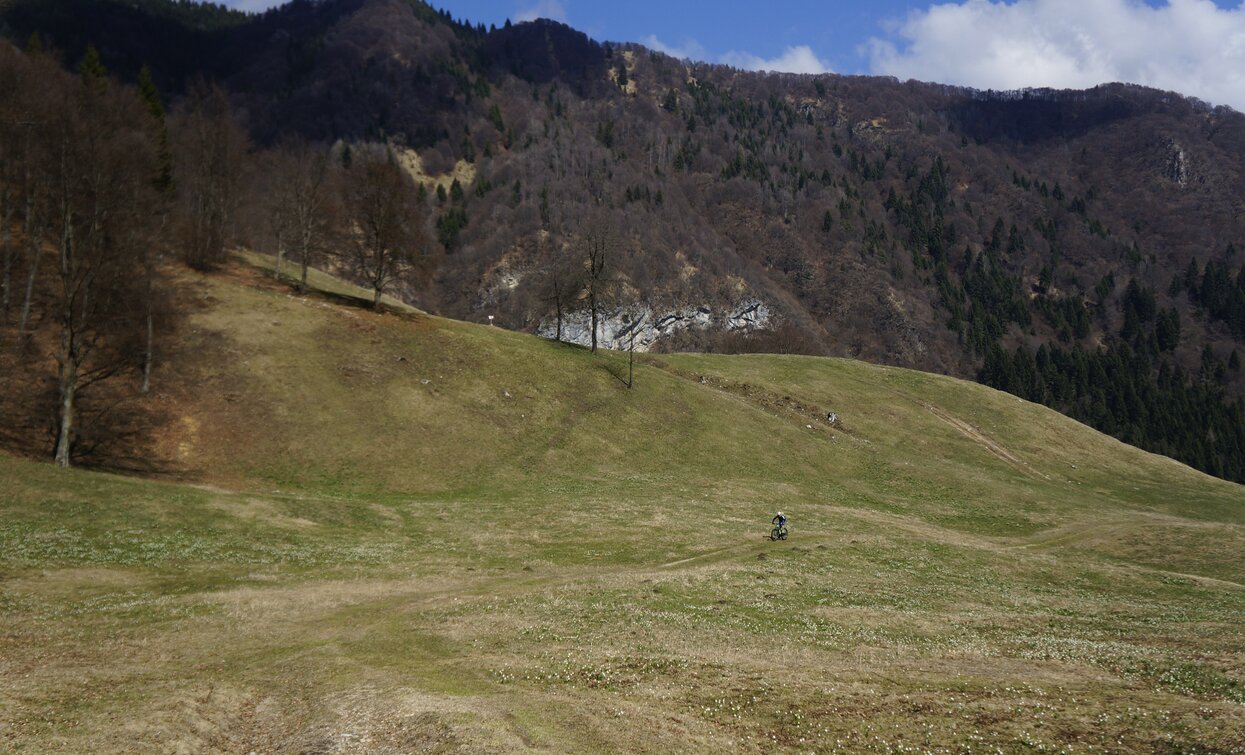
(780, 525)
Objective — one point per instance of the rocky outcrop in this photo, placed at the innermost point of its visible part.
(615, 327)
(1177, 164)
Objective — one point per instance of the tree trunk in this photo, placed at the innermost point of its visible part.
(68, 392)
(280, 254)
(302, 281)
(68, 376)
(558, 307)
(592, 305)
(376, 299)
(67, 381)
(30, 286)
(631, 361)
(5, 241)
(149, 272)
(147, 353)
(34, 242)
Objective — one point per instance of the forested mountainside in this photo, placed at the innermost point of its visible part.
(1082, 249)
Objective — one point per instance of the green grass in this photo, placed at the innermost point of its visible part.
(395, 532)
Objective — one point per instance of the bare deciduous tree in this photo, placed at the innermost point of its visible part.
(563, 283)
(210, 152)
(300, 210)
(100, 168)
(39, 76)
(386, 231)
(596, 246)
(635, 326)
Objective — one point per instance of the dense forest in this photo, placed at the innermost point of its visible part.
(1081, 249)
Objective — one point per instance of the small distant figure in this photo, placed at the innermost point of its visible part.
(780, 527)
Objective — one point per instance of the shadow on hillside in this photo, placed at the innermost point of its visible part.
(619, 374)
(118, 425)
(355, 302)
(569, 345)
(289, 284)
(614, 371)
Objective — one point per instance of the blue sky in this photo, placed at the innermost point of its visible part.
(833, 30)
(1196, 47)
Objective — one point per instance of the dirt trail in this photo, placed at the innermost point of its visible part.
(920, 528)
(989, 443)
(974, 434)
(1072, 533)
(710, 554)
(756, 396)
(1051, 539)
(1117, 525)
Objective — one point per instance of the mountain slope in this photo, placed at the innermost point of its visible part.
(903, 223)
(521, 553)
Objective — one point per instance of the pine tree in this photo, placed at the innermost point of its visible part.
(155, 106)
(92, 71)
(494, 116)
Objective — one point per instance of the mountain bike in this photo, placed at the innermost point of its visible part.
(778, 533)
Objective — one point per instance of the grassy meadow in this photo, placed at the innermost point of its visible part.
(389, 532)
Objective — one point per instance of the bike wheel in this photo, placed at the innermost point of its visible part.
(782, 534)
(776, 534)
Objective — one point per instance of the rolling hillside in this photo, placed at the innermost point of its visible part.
(388, 532)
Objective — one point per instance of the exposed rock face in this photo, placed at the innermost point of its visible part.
(1177, 164)
(615, 327)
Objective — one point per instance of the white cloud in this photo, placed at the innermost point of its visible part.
(688, 49)
(1189, 46)
(553, 10)
(799, 59)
